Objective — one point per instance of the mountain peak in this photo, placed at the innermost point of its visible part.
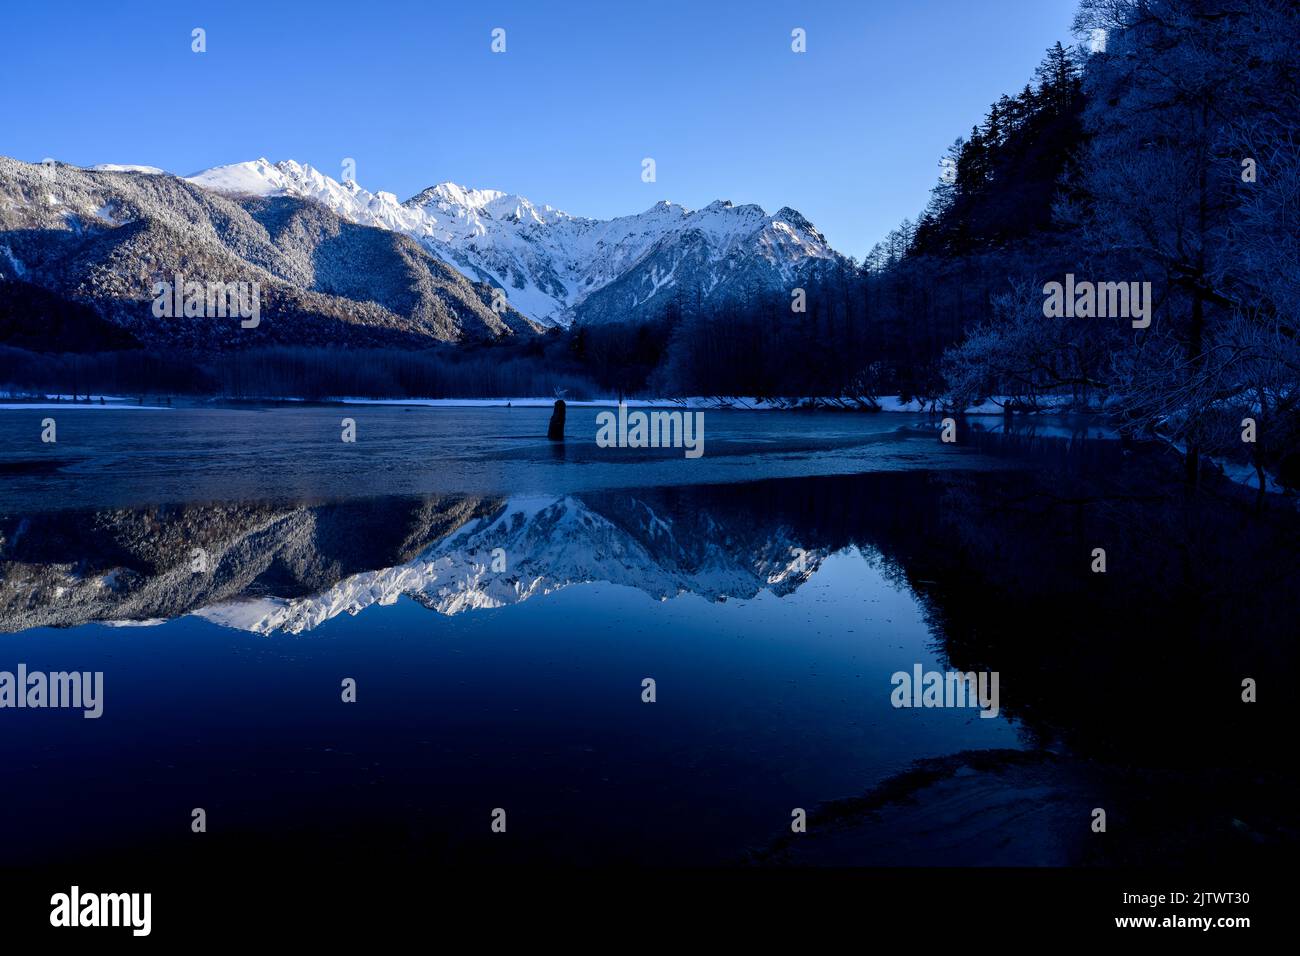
(459, 195)
(554, 266)
(797, 219)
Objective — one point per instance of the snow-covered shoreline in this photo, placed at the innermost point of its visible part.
(887, 403)
(80, 406)
(883, 403)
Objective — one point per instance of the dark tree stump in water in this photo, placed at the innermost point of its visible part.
(555, 432)
(1288, 471)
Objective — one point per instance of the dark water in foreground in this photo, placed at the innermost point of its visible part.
(770, 590)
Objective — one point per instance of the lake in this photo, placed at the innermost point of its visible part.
(498, 603)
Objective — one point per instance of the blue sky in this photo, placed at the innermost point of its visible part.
(850, 133)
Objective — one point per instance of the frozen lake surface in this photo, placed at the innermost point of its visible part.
(129, 456)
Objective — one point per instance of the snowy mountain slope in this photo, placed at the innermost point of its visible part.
(98, 241)
(116, 168)
(552, 264)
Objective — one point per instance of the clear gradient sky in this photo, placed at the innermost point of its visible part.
(849, 133)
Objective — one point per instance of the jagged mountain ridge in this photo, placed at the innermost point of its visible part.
(558, 268)
(100, 239)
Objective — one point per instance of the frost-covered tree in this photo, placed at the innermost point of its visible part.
(1019, 358)
(1168, 104)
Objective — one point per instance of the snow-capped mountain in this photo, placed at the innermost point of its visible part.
(558, 268)
(338, 265)
(87, 247)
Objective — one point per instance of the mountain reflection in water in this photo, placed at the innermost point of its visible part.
(770, 614)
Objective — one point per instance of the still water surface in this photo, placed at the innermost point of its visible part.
(499, 603)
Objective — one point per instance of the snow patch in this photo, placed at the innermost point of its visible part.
(119, 168)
